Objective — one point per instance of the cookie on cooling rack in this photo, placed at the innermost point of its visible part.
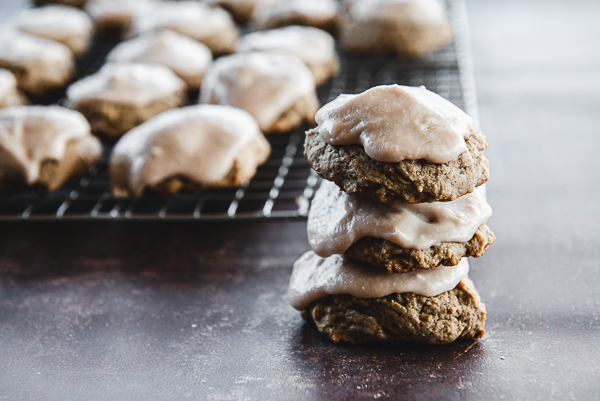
(350, 302)
(318, 13)
(121, 96)
(212, 26)
(44, 147)
(67, 25)
(185, 56)
(114, 17)
(398, 144)
(398, 237)
(276, 89)
(313, 46)
(407, 27)
(194, 147)
(41, 66)
(9, 94)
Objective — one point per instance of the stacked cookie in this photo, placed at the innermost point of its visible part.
(392, 227)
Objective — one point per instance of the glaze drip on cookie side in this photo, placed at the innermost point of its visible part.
(200, 143)
(337, 220)
(396, 123)
(314, 278)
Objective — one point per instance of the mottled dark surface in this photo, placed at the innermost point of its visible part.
(128, 311)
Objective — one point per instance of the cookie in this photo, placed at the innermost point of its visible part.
(398, 237)
(114, 17)
(212, 26)
(398, 144)
(241, 10)
(457, 314)
(9, 94)
(41, 66)
(387, 255)
(352, 302)
(44, 147)
(321, 14)
(276, 89)
(120, 96)
(67, 25)
(186, 57)
(313, 46)
(194, 147)
(411, 28)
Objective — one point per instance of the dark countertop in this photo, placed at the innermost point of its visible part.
(132, 310)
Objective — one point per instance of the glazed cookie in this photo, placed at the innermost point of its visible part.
(398, 144)
(398, 237)
(41, 66)
(407, 27)
(212, 26)
(318, 13)
(240, 9)
(115, 16)
(44, 146)
(9, 94)
(276, 89)
(351, 302)
(121, 96)
(313, 46)
(193, 147)
(187, 57)
(67, 25)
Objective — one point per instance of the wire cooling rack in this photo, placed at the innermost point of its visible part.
(284, 185)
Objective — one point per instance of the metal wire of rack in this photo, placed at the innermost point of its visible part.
(285, 184)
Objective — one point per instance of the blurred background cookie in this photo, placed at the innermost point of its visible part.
(194, 147)
(185, 56)
(114, 17)
(121, 96)
(44, 146)
(41, 66)
(407, 27)
(312, 45)
(67, 25)
(276, 89)
(212, 26)
(318, 13)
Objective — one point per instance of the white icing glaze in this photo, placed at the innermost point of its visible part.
(212, 26)
(399, 11)
(396, 123)
(281, 10)
(187, 57)
(264, 84)
(32, 134)
(337, 220)
(313, 46)
(199, 142)
(134, 83)
(67, 25)
(314, 278)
